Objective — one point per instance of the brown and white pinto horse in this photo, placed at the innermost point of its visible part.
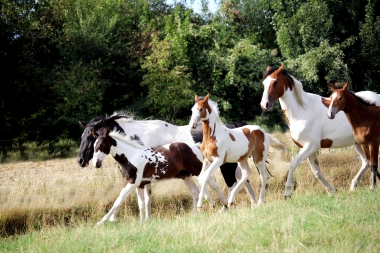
(364, 118)
(221, 145)
(142, 164)
(309, 127)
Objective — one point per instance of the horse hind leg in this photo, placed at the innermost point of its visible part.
(141, 202)
(148, 201)
(374, 151)
(194, 191)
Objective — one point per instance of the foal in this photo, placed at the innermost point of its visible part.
(142, 164)
(364, 118)
(221, 145)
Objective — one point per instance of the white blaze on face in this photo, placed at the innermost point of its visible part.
(266, 84)
(98, 155)
(332, 111)
(194, 116)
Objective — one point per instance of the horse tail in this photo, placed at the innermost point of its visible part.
(276, 144)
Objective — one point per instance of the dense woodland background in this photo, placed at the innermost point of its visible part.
(67, 60)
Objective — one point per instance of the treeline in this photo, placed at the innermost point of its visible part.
(68, 60)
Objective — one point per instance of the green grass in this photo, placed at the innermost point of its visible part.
(309, 222)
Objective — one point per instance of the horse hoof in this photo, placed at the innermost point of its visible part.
(199, 208)
(230, 204)
(288, 197)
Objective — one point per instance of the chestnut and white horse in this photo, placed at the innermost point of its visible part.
(364, 118)
(310, 129)
(221, 145)
(142, 165)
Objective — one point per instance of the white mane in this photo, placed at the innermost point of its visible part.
(298, 91)
(214, 108)
(130, 140)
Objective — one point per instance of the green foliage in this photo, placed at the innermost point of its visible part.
(370, 45)
(242, 85)
(66, 60)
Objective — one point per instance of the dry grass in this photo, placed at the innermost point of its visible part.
(59, 189)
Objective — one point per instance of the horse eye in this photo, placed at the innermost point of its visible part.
(340, 98)
(201, 109)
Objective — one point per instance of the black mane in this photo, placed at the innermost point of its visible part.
(284, 72)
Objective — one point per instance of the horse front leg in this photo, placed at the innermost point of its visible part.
(204, 177)
(305, 152)
(314, 165)
(362, 169)
(125, 192)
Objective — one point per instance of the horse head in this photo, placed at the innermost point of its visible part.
(200, 110)
(102, 145)
(86, 148)
(337, 100)
(276, 82)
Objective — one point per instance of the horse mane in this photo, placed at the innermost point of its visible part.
(214, 107)
(132, 140)
(284, 72)
(361, 100)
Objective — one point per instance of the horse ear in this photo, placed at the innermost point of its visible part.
(332, 87)
(95, 135)
(345, 86)
(281, 68)
(83, 124)
(268, 68)
(207, 97)
(196, 98)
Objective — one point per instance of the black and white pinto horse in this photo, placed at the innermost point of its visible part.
(142, 164)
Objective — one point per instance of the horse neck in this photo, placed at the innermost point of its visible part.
(354, 110)
(133, 154)
(293, 100)
(211, 126)
(156, 132)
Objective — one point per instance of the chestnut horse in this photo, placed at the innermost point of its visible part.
(309, 127)
(364, 118)
(143, 165)
(221, 145)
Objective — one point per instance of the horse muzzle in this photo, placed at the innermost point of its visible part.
(98, 164)
(267, 106)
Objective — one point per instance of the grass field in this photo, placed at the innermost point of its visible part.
(53, 205)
